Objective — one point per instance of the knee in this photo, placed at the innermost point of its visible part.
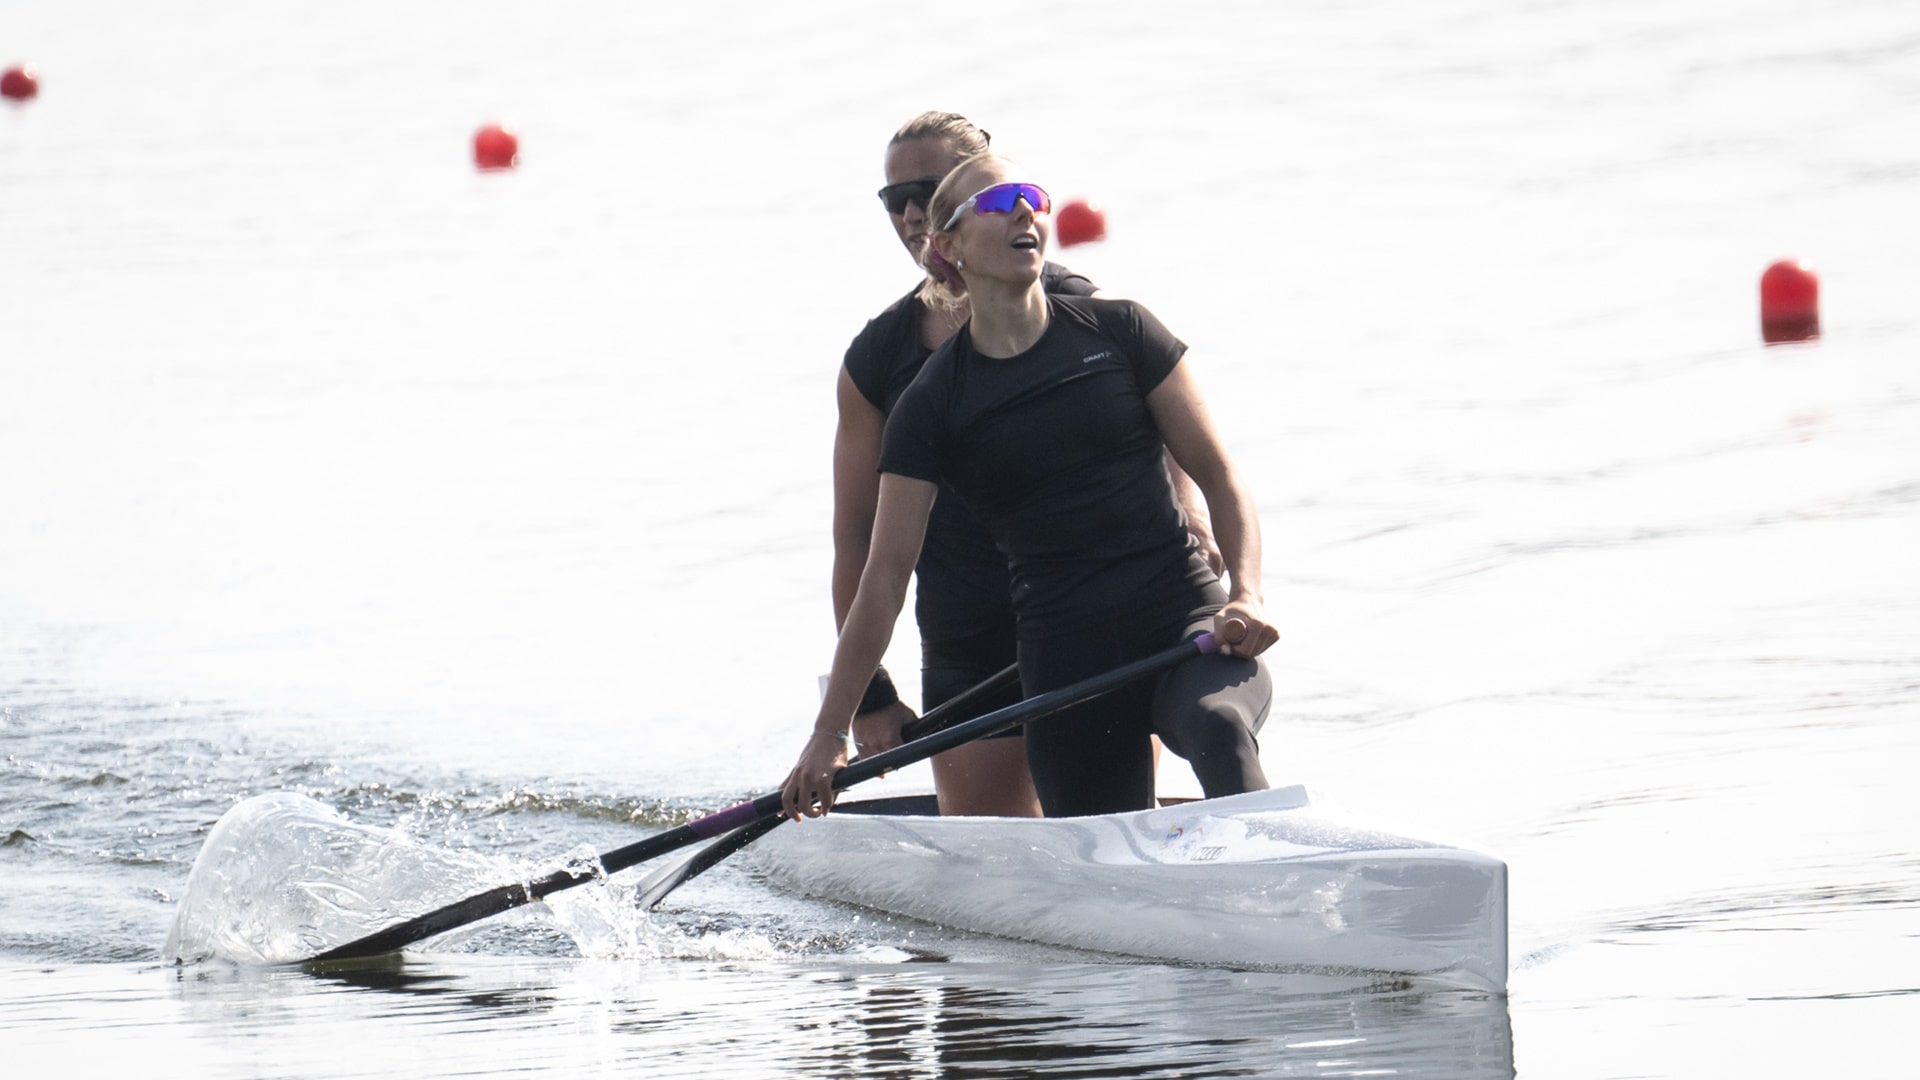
(1210, 728)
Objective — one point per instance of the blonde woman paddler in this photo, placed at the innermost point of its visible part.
(1050, 418)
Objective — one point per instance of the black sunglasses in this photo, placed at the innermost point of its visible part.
(897, 196)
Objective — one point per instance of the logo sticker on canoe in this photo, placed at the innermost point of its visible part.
(1200, 840)
(1188, 843)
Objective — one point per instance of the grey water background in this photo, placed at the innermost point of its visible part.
(493, 508)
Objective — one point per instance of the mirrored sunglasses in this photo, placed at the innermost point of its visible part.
(1001, 199)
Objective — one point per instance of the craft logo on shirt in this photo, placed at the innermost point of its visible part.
(1096, 356)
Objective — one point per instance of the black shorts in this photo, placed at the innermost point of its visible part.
(1097, 757)
(951, 668)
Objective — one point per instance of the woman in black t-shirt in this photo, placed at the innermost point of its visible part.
(965, 621)
(1047, 416)
(961, 607)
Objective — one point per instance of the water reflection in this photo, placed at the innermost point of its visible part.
(455, 1015)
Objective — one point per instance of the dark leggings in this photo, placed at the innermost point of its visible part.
(1097, 758)
(951, 667)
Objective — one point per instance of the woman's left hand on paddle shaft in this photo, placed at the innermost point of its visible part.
(1242, 628)
(808, 791)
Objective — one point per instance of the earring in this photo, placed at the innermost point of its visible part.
(962, 264)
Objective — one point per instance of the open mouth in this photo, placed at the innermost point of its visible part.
(1025, 242)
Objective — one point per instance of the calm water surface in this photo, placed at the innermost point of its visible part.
(493, 508)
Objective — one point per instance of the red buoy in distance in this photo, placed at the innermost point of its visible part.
(19, 83)
(495, 146)
(1079, 222)
(1789, 303)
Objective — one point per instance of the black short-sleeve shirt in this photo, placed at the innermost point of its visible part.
(1056, 453)
(962, 581)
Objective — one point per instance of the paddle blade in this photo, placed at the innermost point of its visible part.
(655, 887)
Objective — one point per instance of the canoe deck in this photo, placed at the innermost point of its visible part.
(1252, 881)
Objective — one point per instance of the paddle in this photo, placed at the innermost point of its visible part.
(507, 897)
(658, 884)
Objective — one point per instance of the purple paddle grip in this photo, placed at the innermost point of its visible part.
(1205, 642)
(724, 820)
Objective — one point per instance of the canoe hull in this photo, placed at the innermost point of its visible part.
(1253, 881)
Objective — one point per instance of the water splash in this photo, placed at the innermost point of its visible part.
(282, 877)
(606, 923)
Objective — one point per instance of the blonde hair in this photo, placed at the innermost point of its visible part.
(943, 286)
(966, 137)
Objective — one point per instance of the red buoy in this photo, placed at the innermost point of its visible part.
(1079, 222)
(19, 83)
(496, 147)
(1789, 303)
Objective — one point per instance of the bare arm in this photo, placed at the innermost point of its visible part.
(1187, 494)
(856, 490)
(1188, 430)
(900, 526)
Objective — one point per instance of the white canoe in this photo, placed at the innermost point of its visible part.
(1251, 881)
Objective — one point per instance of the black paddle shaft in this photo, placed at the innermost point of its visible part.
(656, 886)
(507, 897)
